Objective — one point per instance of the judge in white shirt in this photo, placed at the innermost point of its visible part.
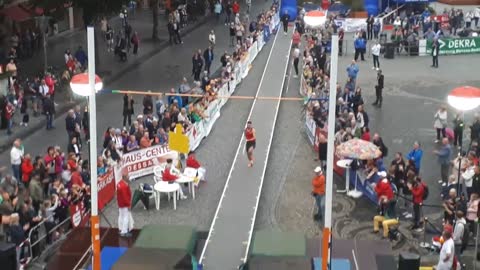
(376, 54)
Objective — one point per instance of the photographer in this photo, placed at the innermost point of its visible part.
(417, 188)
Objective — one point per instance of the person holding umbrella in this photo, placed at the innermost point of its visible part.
(124, 199)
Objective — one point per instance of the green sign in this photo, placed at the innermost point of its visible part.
(456, 45)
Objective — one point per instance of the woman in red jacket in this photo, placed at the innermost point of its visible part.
(384, 190)
(235, 8)
(27, 169)
(170, 175)
(417, 189)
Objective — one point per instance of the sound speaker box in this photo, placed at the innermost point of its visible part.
(8, 256)
(408, 261)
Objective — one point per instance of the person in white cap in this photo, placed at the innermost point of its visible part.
(318, 192)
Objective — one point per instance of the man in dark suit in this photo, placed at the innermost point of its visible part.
(208, 56)
(379, 89)
(285, 19)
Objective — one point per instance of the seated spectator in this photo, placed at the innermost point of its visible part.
(386, 204)
(15, 232)
(132, 144)
(101, 166)
(55, 187)
(10, 185)
(449, 206)
(145, 141)
(171, 174)
(162, 137)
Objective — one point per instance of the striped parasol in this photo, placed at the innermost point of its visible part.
(358, 149)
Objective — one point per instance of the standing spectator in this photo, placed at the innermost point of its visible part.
(212, 38)
(197, 64)
(285, 19)
(445, 260)
(49, 111)
(228, 12)
(109, 37)
(352, 71)
(417, 189)
(127, 109)
(444, 156)
(124, 199)
(232, 34)
(458, 130)
(440, 123)
(70, 123)
(235, 8)
(16, 156)
(249, 5)
(217, 9)
(370, 22)
(376, 55)
(27, 169)
(81, 57)
(9, 110)
(147, 104)
(136, 42)
(376, 28)
(416, 156)
(318, 185)
(176, 33)
(458, 232)
(476, 16)
(341, 35)
(472, 212)
(360, 46)
(435, 53)
(208, 56)
(296, 59)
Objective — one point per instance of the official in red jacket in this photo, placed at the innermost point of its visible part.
(192, 162)
(171, 174)
(384, 191)
(418, 191)
(124, 200)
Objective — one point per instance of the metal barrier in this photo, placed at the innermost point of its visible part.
(37, 238)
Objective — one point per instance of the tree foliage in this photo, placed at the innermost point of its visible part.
(92, 9)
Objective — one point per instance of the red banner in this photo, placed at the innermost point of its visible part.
(78, 214)
(106, 189)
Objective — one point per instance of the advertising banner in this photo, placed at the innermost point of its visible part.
(260, 41)
(456, 45)
(78, 214)
(212, 113)
(224, 93)
(106, 189)
(196, 134)
(310, 128)
(141, 162)
(351, 25)
(253, 51)
(244, 63)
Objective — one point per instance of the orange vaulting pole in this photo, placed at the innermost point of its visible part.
(325, 247)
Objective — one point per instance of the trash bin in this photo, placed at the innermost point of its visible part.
(413, 49)
(389, 50)
(408, 261)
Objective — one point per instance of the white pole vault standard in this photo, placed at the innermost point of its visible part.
(95, 224)
(327, 234)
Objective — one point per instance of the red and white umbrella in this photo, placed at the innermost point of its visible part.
(464, 98)
(315, 18)
(80, 86)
